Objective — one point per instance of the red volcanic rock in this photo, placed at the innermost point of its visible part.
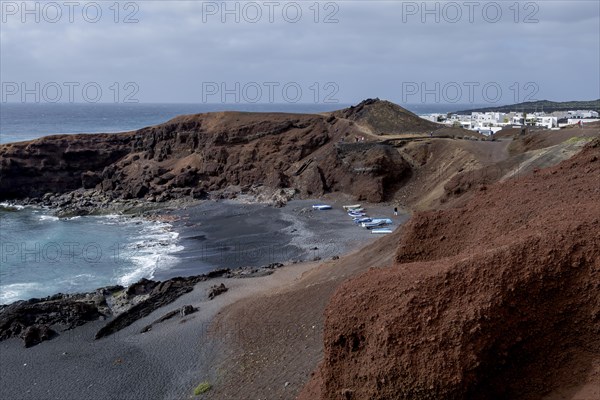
(494, 300)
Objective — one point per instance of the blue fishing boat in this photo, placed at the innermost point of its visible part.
(381, 230)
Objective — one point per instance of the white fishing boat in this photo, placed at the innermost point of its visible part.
(381, 230)
(370, 225)
(351, 207)
(321, 207)
(375, 222)
(386, 221)
(356, 214)
(356, 210)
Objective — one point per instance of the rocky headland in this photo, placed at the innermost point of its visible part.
(222, 154)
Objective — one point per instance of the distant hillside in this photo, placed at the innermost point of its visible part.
(386, 118)
(545, 105)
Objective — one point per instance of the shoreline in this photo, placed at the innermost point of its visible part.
(47, 254)
(177, 349)
(178, 353)
(238, 233)
(243, 237)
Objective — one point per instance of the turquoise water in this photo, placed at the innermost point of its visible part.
(41, 254)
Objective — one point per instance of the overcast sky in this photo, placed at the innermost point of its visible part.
(182, 51)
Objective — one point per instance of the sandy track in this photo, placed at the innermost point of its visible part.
(278, 332)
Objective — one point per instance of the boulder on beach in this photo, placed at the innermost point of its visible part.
(216, 290)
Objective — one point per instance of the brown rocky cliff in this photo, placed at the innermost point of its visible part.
(56, 163)
(192, 154)
(497, 299)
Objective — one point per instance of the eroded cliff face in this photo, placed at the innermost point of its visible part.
(192, 155)
(56, 163)
(496, 299)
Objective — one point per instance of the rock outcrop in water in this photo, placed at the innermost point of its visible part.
(494, 300)
(37, 320)
(189, 156)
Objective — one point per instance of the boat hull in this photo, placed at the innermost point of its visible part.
(381, 231)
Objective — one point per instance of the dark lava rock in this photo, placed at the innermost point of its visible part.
(216, 151)
(36, 334)
(90, 179)
(218, 273)
(162, 294)
(187, 310)
(217, 290)
(31, 319)
(143, 286)
(37, 320)
(183, 311)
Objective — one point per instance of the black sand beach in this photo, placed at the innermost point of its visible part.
(171, 359)
(234, 234)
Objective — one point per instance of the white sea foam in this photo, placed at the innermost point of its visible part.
(17, 291)
(76, 281)
(112, 219)
(11, 206)
(151, 250)
(139, 249)
(48, 218)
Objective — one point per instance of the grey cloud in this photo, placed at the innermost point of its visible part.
(370, 52)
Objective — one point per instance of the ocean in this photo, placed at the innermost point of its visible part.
(41, 255)
(22, 121)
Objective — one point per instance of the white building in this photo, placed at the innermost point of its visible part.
(434, 117)
(574, 121)
(485, 123)
(491, 122)
(488, 118)
(517, 119)
(487, 131)
(582, 114)
(546, 121)
(560, 114)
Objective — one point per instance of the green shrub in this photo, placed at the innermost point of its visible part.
(202, 388)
